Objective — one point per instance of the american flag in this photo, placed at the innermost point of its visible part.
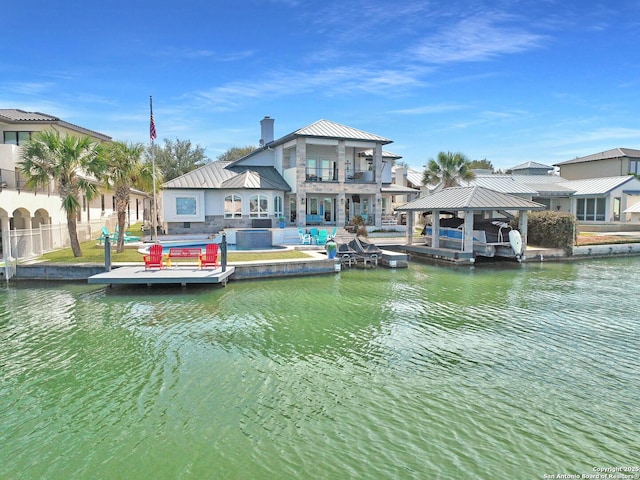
(152, 125)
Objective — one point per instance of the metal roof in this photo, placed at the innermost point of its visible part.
(608, 154)
(15, 115)
(398, 189)
(598, 186)
(635, 208)
(530, 165)
(469, 198)
(385, 154)
(216, 175)
(500, 183)
(328, 129)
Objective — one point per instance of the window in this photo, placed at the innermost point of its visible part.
(16, 138)
(591, 209)
(185, 205)
(258, 206)
(277, 206)
(634, 167)
(232, 206)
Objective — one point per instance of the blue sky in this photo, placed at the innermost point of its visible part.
(506, 80)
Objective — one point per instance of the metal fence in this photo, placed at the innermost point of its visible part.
(29, 243)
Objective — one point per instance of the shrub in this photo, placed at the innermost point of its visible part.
(552, 230)
(359, 225)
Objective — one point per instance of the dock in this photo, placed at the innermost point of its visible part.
(182, 275)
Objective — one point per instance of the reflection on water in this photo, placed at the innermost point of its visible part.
(426, 372)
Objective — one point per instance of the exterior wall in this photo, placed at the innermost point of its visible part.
(344, 153)
(209, 217)
(595, 169)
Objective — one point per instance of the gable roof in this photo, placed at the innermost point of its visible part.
(598, 186)
(222, 175)
(606, 155)
(328, 129)
(470, 198)
(17, 116)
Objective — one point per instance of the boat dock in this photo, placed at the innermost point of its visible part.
(183, 275)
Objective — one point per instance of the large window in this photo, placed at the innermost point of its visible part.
(591, 209)
(232, 206)
(634, 167)
(258, 206)
(16, 138)
(277, 206)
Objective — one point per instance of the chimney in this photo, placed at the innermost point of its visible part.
(266, 131)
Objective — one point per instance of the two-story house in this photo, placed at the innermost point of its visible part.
(31, 216)
(605, 184)
(321, 174)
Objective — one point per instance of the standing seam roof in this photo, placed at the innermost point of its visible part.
(470, 198)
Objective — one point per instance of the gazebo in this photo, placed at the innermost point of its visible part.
(469, 201)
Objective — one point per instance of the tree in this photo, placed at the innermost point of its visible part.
(70, 161)
(125, 170)
(234, 153)
(176, 158)
(448, 169)
(481, 165)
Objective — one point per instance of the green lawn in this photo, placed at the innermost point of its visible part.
(94, 253)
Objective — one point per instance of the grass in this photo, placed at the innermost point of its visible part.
(93, 253)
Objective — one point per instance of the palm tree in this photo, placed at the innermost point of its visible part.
(448, 169)
(125, 170)
(71, 162)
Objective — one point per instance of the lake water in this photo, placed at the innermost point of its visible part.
(493, 372)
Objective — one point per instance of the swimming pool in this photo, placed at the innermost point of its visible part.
(202, 245)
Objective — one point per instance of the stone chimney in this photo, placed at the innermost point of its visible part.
(266, 130)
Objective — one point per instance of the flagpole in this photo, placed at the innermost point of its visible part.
(152, 136)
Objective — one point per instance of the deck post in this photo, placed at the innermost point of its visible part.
(223, 253)
(107, 253)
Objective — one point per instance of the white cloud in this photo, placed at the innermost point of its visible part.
(476, 39)
(428, 109)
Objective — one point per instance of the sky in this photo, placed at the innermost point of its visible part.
(509, 81)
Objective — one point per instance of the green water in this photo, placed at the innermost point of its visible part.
(428, 372)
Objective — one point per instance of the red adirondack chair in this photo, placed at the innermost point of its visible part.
(210, 256)
(154, 259)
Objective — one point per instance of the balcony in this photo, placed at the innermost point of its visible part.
(321, 175)
(361, 176)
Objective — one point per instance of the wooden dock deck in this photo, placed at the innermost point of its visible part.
(182, 275)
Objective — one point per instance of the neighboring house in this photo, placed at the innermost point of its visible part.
(612, 163)
(590, 200)
(322, 174)
(604, 199)
(26, 212)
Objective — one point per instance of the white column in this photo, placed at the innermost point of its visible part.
(435, 229)
(468, 232)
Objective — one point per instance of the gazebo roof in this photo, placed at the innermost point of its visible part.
(469, 198)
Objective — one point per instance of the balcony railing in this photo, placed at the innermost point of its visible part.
(321, 175)
(361, 176)
(331, 175)
(13, 180)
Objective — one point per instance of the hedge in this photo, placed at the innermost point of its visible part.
(552, 230)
